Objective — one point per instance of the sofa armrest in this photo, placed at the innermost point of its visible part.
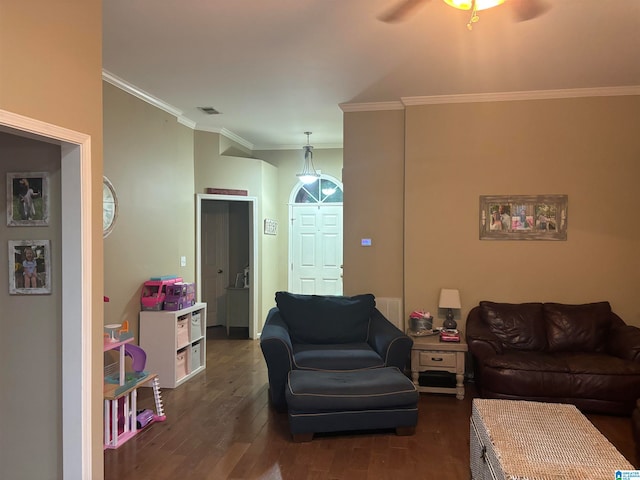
(275, 343)
(389, 341)
(482, 343)
(624, 342)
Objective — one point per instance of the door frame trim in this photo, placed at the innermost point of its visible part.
(77, 307)
(253, 251)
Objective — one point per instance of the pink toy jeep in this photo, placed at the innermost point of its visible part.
(180, 295)
(154, 293)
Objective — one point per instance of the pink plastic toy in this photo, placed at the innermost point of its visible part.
(180, 295)
(154, 293)
(122, 420)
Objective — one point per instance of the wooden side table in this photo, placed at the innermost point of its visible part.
(430, 354)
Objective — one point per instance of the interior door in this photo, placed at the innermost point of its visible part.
(316, 249)
(215, 259)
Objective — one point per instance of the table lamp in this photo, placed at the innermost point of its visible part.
(449, 299)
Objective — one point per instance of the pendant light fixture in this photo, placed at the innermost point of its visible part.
(308, 174)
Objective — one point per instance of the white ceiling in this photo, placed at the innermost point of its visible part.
(278, 68)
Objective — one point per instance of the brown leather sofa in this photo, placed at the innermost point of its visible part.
(580, 354)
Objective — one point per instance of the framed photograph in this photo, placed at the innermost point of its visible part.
(523, 217)
(29, 267)
(27, 199)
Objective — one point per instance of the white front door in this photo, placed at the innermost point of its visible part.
(316, 249)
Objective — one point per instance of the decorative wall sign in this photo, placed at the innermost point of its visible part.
(28, 199)
(226, 191)
(523, 217)
(29, 267)
(270, 227)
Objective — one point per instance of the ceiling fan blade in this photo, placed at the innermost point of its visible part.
(401, 11)
(528, 9)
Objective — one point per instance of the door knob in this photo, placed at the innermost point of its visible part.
(219, 270)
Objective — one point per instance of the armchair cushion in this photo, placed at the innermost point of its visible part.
(336, 357)
(326, 319)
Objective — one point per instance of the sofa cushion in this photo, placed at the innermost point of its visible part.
(565, 377)
(517, 326)
(326, 319)
(577, 328)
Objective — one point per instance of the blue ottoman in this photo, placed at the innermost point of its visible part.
(320, 401)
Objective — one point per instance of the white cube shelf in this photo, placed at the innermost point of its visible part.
(171, 339)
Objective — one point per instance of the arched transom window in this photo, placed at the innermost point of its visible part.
(323, 190)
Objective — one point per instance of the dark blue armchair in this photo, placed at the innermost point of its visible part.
(327, 333)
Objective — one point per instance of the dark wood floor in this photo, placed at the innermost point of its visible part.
(219, 426)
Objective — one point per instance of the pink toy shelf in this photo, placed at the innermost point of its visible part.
(121, 390)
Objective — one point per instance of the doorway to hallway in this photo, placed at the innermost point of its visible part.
(226, 253)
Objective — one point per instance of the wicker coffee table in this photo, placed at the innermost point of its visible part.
(513, 439)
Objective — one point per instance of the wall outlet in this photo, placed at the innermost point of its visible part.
(183, 261)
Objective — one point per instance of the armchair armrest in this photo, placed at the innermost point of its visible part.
(388, 341)
(482, 343)
(275, 343)
(624, 342)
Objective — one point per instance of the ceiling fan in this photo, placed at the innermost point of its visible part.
(523, 10)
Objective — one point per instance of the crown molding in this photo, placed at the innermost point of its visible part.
(370, 107)
(492, 97)
(527, 95)
(187, 122)
(139, 93)
(316, 146)
(162, 105)
(227, 133)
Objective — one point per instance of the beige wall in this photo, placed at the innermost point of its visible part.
(31, 331)
(270, 264)
(587, 148)
(212, 169)
(373, 202)
(147, 154)
(50, 70)
(148, 157)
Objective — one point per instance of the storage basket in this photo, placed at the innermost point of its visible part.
(421, 324)
(182, 332)
(196, 326)
(196, 352)
(181, 364)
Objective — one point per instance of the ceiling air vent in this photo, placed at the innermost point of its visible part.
(209, 110)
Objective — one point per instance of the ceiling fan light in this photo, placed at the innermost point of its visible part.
(459, 4)
(468, 4)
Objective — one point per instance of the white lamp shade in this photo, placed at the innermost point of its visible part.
(308, 174)
(449, 298)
